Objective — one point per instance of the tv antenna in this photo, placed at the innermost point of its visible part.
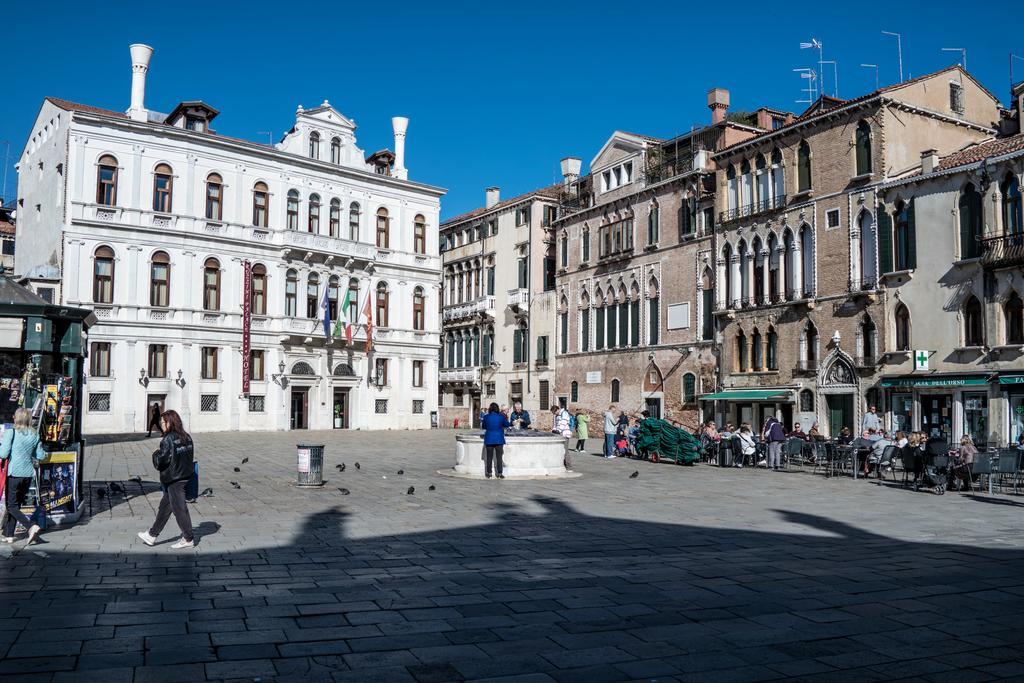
(835, 77)
(899, 49)
(270, 136)
(961, 50)
(815, 44)
(811, 89)
(875, 67)
(1013, 57)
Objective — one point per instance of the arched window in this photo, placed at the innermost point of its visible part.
(689, 389)
(291, 294)
(807, 264)
(790, 266)
(314, 145)
(335, 150)
(260, 205)
(520, 344)
(574, 391)
(761, 182)
(292, 222)
(868, 254)
(744, 256)
(585, 245)
(974, 328)
(756, 351)
(806, 401)
(563, 251)
(615, 391)
(419, 234)
(730, 295)
(867, 341)
(258, 298)
(811, 346)
(417, 309)
(906, 247)
(214, 197)
(332, 296)
(382, 304)
(772, 354)
(653, 224)
(902, 319)
(314, 214)
(312, 295)
(163, 185)
(211, 285)
(106, 180)
(353, 221)
(970, 222)
(160, 280)
(863, 143)
(774, 286)
(334, 221)
(1013, 220)
(1013, 311)
(302, 368)
(653, 313)
(741, 351)
(732, 188)
(778, 183)
(383, 231)
(584, 331)
(103, 276)
(353, 301)
(746, 186)
(803, 167)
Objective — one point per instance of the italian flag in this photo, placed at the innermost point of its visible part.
(343, 318)
(368, 314)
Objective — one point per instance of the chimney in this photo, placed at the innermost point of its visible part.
(141, 55)
(718, 103)
(399, 124)
(493, 196)
(929, 161)
(570, 170)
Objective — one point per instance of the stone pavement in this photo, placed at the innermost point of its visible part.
(685, 573)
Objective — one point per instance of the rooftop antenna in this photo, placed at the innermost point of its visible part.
(835, 77)
(899, 49)
(1013, 57)
(961, 50)
(811, 87)
(815, 44)
(875, 67)
(270, 136)
(7, 165)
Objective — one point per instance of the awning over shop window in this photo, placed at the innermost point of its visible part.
(1011, 379)
(922, 382)
(751, 395)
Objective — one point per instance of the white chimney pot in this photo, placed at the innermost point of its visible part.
(141, 54)
(493, 196)
(400, 124)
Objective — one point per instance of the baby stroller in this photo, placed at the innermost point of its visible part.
(935, 473)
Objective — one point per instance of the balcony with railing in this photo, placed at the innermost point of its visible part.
(1003, 250)
(752, 209)
(519, 299)
(484, 307)
(868, 283)
(806, 366)
(460, 375)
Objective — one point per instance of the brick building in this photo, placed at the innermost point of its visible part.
(804, 253)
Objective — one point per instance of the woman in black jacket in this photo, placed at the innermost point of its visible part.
(174, 461)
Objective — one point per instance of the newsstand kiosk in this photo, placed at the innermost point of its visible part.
(42, 351)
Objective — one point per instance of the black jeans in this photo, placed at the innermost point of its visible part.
(16, 493)
(493, 455)
(580, 444)
(173, 502)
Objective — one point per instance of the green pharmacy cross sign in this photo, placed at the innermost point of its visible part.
(921, 360)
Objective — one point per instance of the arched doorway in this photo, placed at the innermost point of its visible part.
(838, 385)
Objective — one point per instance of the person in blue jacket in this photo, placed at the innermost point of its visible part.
(22, 446)
(494, 425)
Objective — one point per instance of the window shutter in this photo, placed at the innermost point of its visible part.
(911, 238)
(487, 349)
(635, 323)
(655, 324)
(599, 344)
(965, 208)
(884, 240)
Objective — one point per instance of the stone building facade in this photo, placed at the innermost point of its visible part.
(804, 248)
(497, 309)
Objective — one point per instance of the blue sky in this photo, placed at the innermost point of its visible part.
(497, 93)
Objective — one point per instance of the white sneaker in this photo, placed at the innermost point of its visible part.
(183, 544)
(8, 539)
(32, 533)
(612, 456)
(146, 538)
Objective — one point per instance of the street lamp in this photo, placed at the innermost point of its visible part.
(278, 377)
(143, 380)
(181, 379)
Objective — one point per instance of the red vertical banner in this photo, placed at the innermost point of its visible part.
(246, 325)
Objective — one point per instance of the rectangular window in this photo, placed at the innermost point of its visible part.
(99, 403)
(542, 350)
(417, 373)
(257, 404)
(599, 332)
(585, 330)
(209, 403)
(524, 271)
(549, 273)
(381, 371)
(490, 389)
(545, 394)
(209, 362)
(832, 218)
(634, 322)
(490, 280)
(515, 391)
(679, 316)
(380, 406)
(563, 333)
(655, 324)
(256, 366)
(458, 398)
(956, 98)
(522, 216)
(99, 359)
(8, 247)
(158, 360)
(417, 406)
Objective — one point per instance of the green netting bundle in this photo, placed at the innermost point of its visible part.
(668, 441)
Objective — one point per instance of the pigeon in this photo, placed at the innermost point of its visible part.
(400, 472)
(116, 488)
(358, 467)
(432, 488)
(412, 490)
(341, 467)
(245, 460)
(238, 469)
(207, 492)
(236, 484)
(344, 492)
(137, 479)
(636, 473)
(101, 493)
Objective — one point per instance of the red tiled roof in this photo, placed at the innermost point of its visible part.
(7, 228)
(549, 192)
(982, 150)
(74, 106)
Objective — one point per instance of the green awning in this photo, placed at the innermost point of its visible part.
(925, 381)
(1011, 379)
(749, 395)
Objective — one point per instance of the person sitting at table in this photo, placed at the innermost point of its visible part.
(747, 447)
(901, 439)
(727, 431)
(798, 433)
(814, 434)
(875, 456)
(845, 436)
(913, 455)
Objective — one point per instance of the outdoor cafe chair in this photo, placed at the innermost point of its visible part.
(1007, 465)
(887, 460)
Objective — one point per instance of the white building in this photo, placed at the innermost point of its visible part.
(151, 220)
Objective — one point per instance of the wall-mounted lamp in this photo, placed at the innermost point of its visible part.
(143, 380)
(181, 379)
(278, 378)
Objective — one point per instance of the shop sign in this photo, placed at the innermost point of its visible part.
(921, 382)
(594, 377)
(1011, 379)
(921, 360)
(58, 480)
